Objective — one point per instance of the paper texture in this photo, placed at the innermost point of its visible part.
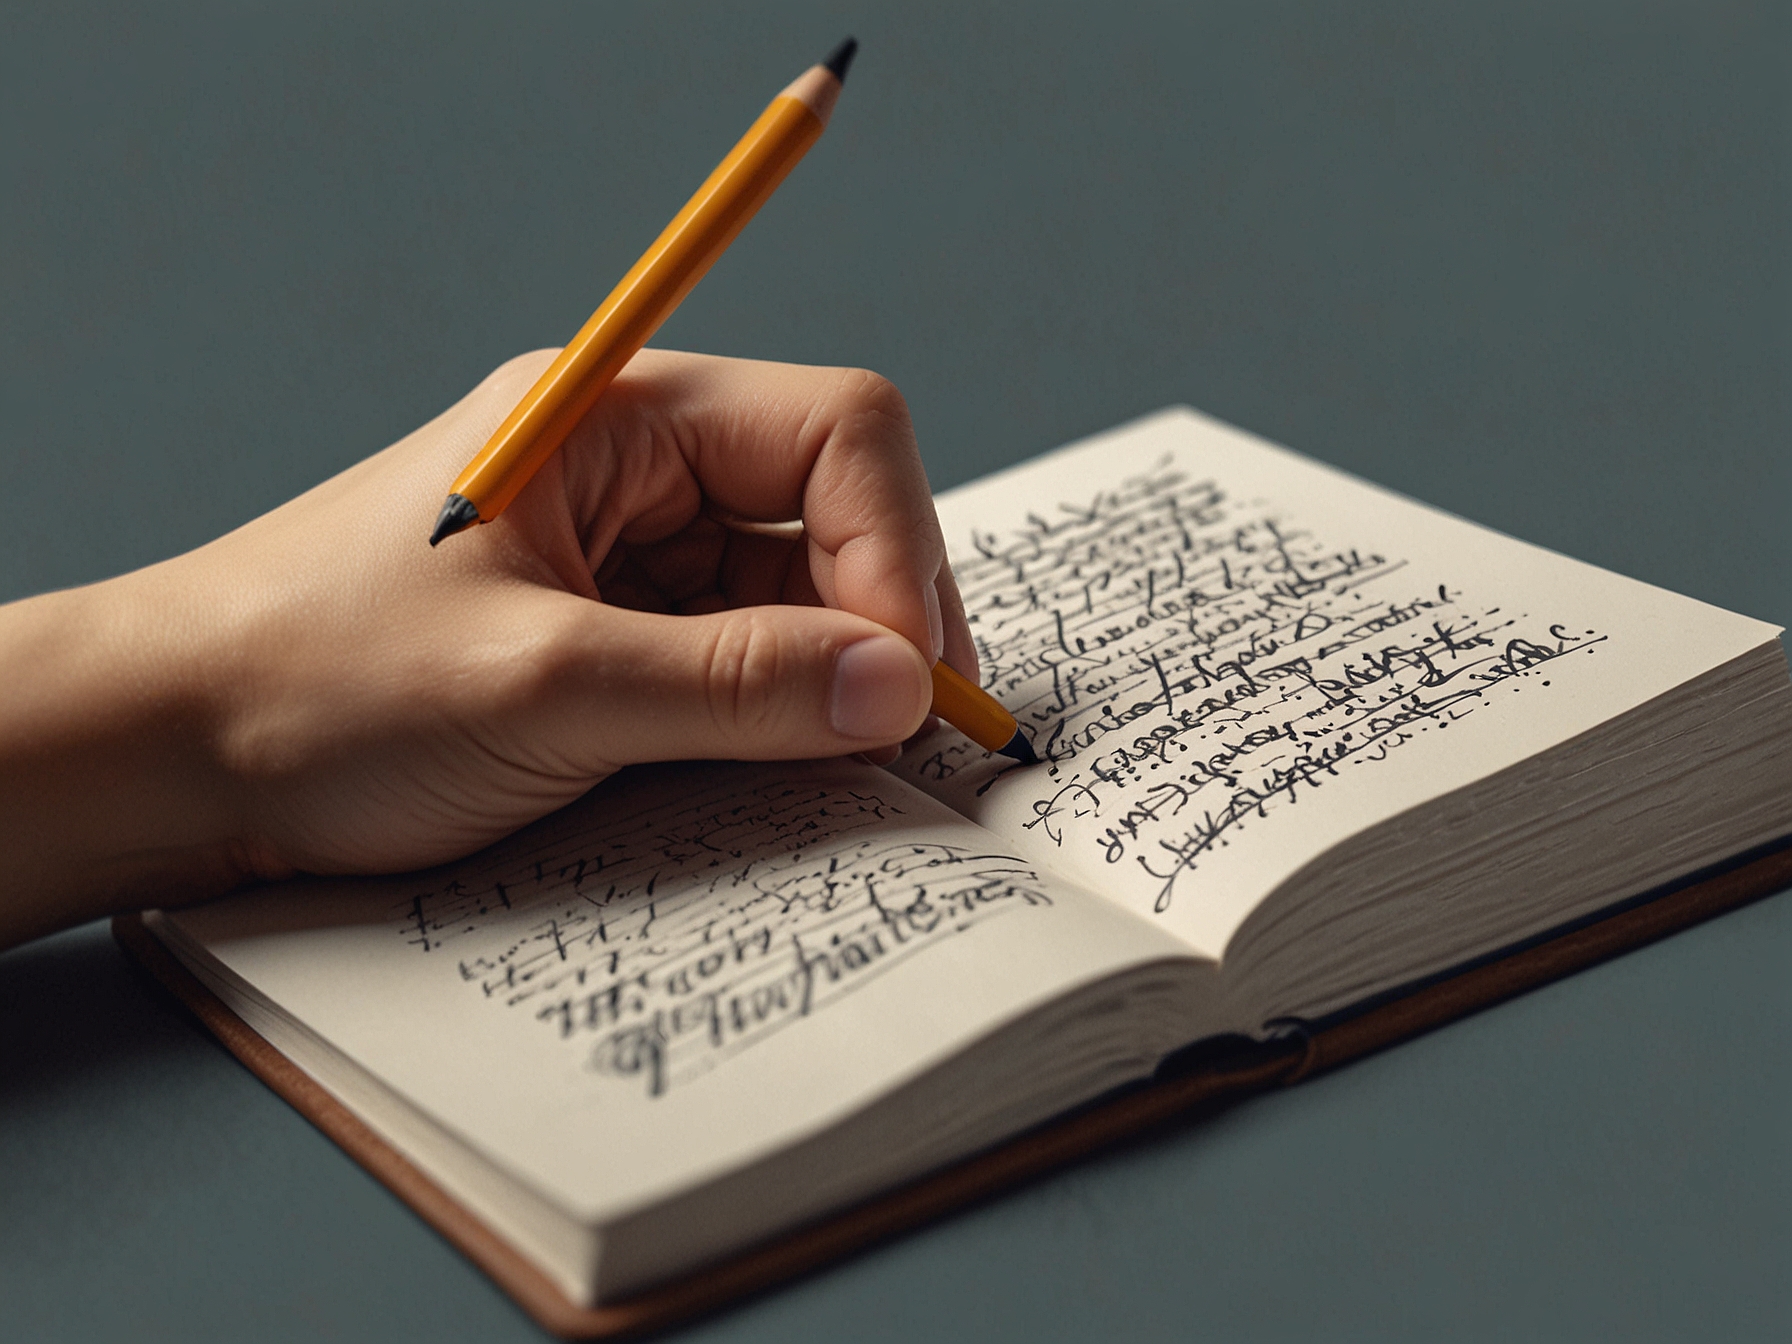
(1231, 658)
(689, 968)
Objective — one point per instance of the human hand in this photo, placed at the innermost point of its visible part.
(320, 691)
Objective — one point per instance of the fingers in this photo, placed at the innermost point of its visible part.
(621, 514)
(961, 650)
(757, 683)
(833, 447)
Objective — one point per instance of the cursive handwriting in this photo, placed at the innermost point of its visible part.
(706, 910)
(1188, 664)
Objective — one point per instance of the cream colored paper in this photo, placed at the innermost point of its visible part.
(693, 967)
(1232, 658)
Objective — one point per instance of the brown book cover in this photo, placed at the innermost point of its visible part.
(1206, 1074)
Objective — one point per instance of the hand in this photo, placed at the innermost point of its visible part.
(319, 691)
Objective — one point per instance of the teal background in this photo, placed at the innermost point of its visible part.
(1527, 262)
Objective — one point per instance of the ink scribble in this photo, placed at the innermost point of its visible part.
(1189, 665)
(674, 934)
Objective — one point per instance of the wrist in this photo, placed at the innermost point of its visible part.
(111, 795)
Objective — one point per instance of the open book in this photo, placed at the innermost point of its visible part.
(1304, 743)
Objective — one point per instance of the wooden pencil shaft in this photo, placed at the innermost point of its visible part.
(971, 709)
(644, 298)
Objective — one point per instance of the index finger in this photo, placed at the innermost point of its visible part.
(772, 442)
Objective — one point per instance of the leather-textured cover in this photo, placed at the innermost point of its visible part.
(1198, 1079)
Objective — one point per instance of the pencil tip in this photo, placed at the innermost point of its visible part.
(1021, 749)
(841, 61)
(456, 515)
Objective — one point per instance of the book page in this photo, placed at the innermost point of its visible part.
(691, 966)
(1230, 658)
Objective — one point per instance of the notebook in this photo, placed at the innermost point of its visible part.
(1320, 766)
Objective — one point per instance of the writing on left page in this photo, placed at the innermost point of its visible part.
(691, 965)
(681, 930)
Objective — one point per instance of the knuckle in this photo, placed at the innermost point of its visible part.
(745, 670)
(522, 369)
(867, 393)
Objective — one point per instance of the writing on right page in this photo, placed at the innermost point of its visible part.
(1230, 658)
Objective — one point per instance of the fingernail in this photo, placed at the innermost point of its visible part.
(936, 624)
(875, 689)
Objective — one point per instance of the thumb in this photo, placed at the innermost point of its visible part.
(751, 683)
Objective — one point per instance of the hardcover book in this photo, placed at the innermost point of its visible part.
(1319, 766)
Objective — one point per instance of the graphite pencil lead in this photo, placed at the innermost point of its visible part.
(458, 514)
(1020, 749)
(841, 60)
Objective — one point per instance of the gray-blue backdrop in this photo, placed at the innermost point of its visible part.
(1525, 261)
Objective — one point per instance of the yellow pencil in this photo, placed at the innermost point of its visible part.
(635, 309)
(646, 296)
(977, 714)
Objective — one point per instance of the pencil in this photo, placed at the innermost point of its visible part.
(635, 309)
(977, 714)
(957, 699)
(646, 296)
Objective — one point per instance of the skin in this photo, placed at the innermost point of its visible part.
(319, 691)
